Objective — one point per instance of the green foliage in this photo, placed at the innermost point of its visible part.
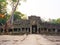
(58, 20)
(3, 20)
(2, 0)
(18, 15)
(3, 4)
(3, 10)
(55, 21)
(14, 0)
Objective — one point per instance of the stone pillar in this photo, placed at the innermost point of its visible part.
(30, 30)
(18, 29)
(21, 30)
(37, 30)
(24, 30)
(47, 30)
(43, 30)
(3, 30)
(51, 30)
(55, 30)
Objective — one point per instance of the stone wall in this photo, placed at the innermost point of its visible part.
(33, 25)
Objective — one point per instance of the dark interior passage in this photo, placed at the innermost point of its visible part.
(34, 29)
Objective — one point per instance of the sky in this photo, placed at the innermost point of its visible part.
(44, 8)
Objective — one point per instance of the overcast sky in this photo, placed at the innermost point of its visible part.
(44, 8)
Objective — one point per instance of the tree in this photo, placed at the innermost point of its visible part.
(58, 20)
(3, 4)
(14, 4)
(18, 15)
(4, 19)
(55, 21)
(3, 11)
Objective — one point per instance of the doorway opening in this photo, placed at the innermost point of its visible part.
(34, 29)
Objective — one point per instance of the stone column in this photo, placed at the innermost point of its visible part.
(21, 30)
(3, 30)
(37, 30)
(30, 30)
(47, 30)
(55, 30)
(43, 30)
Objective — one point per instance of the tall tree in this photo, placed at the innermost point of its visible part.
(3, 10)
(14, 4)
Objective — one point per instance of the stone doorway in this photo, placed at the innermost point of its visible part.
(34, 29)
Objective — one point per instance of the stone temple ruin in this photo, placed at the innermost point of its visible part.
(33, 25)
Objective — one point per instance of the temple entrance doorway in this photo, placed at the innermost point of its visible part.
(34, 29)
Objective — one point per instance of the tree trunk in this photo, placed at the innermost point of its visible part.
(10, 20)
(12, 14)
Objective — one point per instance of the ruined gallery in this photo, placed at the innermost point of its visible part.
(33, 25)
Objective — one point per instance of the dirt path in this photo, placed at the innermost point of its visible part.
(36, 40)
(43, 41)
(32, 39)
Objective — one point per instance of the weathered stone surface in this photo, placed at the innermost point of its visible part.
(34, 25)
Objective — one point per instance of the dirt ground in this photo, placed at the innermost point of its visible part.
(31, 39)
